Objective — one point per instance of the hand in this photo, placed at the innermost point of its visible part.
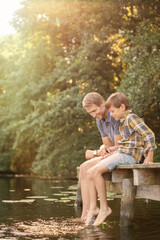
(148, 160)
(89, 154)
(111, 149)
(102, 152)
(106, 155)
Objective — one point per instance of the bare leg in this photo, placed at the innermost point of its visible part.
(100, 185)
(84, 185)
(93, 209)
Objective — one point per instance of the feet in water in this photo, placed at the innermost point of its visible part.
(102, 216)
(84, 215)
(83, 219)
(90, 216)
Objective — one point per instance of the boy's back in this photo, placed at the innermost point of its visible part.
(137, 137)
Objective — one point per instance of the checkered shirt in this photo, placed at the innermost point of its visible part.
(136, 137)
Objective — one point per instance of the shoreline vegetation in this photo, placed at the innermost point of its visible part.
(60, 51)
(18, 175)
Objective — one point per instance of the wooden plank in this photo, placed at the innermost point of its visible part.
(127, 202)
(131, 166)
(114, 187)
(149, 192)
(146, 176)
(119, 174)
(134, 166)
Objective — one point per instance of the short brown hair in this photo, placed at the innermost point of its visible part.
(117, 99)
(92, 98)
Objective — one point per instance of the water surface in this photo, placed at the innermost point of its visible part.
(34, 208)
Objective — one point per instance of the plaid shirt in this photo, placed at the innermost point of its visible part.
(137, 139)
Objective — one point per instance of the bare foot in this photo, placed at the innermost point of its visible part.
(102, 216)
(91, 214)
(83, 219)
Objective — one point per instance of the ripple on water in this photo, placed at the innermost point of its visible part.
(53, 215)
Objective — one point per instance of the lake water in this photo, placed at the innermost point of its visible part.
(35, 208)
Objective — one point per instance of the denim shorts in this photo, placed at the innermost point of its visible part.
(117, 159)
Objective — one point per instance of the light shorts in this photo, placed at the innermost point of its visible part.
(117, 159)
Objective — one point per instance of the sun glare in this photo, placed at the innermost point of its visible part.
(7, 8)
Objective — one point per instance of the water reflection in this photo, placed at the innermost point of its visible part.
(127, 233)
(95, 234)
(52, 214)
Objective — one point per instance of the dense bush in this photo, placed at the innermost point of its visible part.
(62, 50)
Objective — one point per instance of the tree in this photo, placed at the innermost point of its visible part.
(62, 50)
(141, 81)
(66, 64)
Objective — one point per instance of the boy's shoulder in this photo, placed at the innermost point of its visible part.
(132, 117)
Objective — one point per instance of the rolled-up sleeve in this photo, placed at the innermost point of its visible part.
(147, 134)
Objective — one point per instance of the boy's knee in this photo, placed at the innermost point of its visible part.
(89, 173)
(96, 171)
(92, 173)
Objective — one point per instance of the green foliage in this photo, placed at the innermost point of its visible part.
(142, 77)
(157, 153)
(58, 131)
(5, 154)
(63, 50)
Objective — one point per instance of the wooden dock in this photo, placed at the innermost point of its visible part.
(138, 180)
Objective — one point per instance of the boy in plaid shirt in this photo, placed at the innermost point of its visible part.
(137, 140)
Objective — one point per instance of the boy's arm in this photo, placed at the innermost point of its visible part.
(100, 152)
(149, 158)
(147, 135)
(114, 148)
(106, 143)
(116, 139)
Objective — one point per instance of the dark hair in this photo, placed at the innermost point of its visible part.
(117, 99)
